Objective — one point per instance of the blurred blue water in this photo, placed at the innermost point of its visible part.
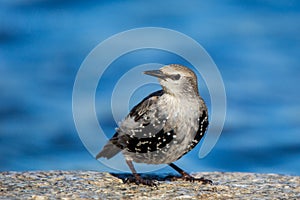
(255, 44)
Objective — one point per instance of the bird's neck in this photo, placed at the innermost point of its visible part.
(183, 93)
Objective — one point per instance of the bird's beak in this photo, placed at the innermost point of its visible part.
(156, 73)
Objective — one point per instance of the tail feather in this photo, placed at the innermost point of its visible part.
(108, 151)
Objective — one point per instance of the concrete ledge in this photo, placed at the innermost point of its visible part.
(97, 185)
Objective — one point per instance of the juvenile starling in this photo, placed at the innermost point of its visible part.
(164, 126)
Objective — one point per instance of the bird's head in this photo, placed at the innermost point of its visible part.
(176, 79)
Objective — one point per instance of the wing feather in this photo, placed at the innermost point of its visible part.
(123, 138)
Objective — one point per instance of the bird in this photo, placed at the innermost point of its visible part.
(164, 126)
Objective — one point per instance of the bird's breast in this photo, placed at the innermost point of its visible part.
(181, 115)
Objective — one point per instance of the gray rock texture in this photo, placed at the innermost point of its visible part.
(98, 185)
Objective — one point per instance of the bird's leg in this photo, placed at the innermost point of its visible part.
(137, 179)
(187, 177)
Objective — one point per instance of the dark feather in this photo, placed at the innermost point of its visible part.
(118, 142)
(203, 124)
(141, 109)
(150, 144)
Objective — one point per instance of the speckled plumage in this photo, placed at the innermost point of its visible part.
(166, 124)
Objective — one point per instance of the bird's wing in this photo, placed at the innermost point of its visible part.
(203, 124)
(138, 111)
(140, 125)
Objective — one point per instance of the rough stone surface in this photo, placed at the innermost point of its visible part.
(96, 185)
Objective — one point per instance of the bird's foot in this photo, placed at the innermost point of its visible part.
(187, 177)
(139, 180)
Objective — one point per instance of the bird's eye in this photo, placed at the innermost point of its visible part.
(175, 77)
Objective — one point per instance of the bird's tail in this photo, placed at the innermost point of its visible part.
(108, 151)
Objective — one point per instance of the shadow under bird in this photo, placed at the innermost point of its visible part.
(164, 126)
